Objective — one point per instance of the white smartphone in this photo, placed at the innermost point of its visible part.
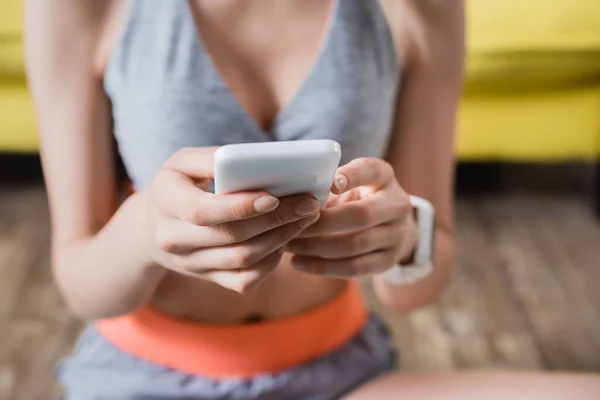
(281, 168)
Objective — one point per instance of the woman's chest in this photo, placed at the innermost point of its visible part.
(170, 90)
(150, 128)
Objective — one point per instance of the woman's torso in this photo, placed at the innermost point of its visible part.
(202, 73)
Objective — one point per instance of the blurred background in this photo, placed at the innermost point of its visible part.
(525, 293)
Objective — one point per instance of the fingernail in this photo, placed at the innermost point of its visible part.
(307, 207)
(306, 222)
(265, 204)
(340, 182)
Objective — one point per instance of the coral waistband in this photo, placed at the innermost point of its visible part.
(240, 350)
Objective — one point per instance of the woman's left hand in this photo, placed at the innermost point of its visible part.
(366, 227)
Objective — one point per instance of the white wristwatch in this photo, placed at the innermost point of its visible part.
(422, 265)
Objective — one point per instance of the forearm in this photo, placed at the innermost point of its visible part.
(408, 297)
(110, 273)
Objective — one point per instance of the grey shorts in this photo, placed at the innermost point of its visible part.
(98, 370)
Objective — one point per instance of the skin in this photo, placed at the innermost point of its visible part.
(174, 245)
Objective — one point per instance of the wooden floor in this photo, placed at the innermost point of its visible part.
(525, 295)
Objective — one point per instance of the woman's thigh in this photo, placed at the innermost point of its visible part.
(485, 385)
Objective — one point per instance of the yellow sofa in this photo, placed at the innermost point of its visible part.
(532, 89)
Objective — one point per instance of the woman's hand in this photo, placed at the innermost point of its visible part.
(234, 240)
(367, 226)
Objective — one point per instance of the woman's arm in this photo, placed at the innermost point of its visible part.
(98, 266)
(422, 146)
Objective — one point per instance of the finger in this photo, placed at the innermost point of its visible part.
(363, 172)
(242, 256)
(372, 263)
(178, 197)
(290, 209)
(358, 215)
(195, 162)
(244, 280)
(180, 237)
(351, 245)
(334, 199)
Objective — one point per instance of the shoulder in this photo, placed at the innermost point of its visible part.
(68, 30)
(421, 28)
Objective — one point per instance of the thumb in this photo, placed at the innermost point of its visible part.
(195, 162)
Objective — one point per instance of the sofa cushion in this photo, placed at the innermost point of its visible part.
(555, 125)
(533, 25)
(532, 44)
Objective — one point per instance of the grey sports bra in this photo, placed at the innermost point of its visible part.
(166, 94)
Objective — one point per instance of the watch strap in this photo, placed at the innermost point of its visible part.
(422, 265)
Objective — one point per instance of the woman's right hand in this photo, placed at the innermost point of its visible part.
(235, 240)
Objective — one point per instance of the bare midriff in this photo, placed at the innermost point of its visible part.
(285, 293)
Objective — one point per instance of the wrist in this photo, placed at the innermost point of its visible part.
(138, 243)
